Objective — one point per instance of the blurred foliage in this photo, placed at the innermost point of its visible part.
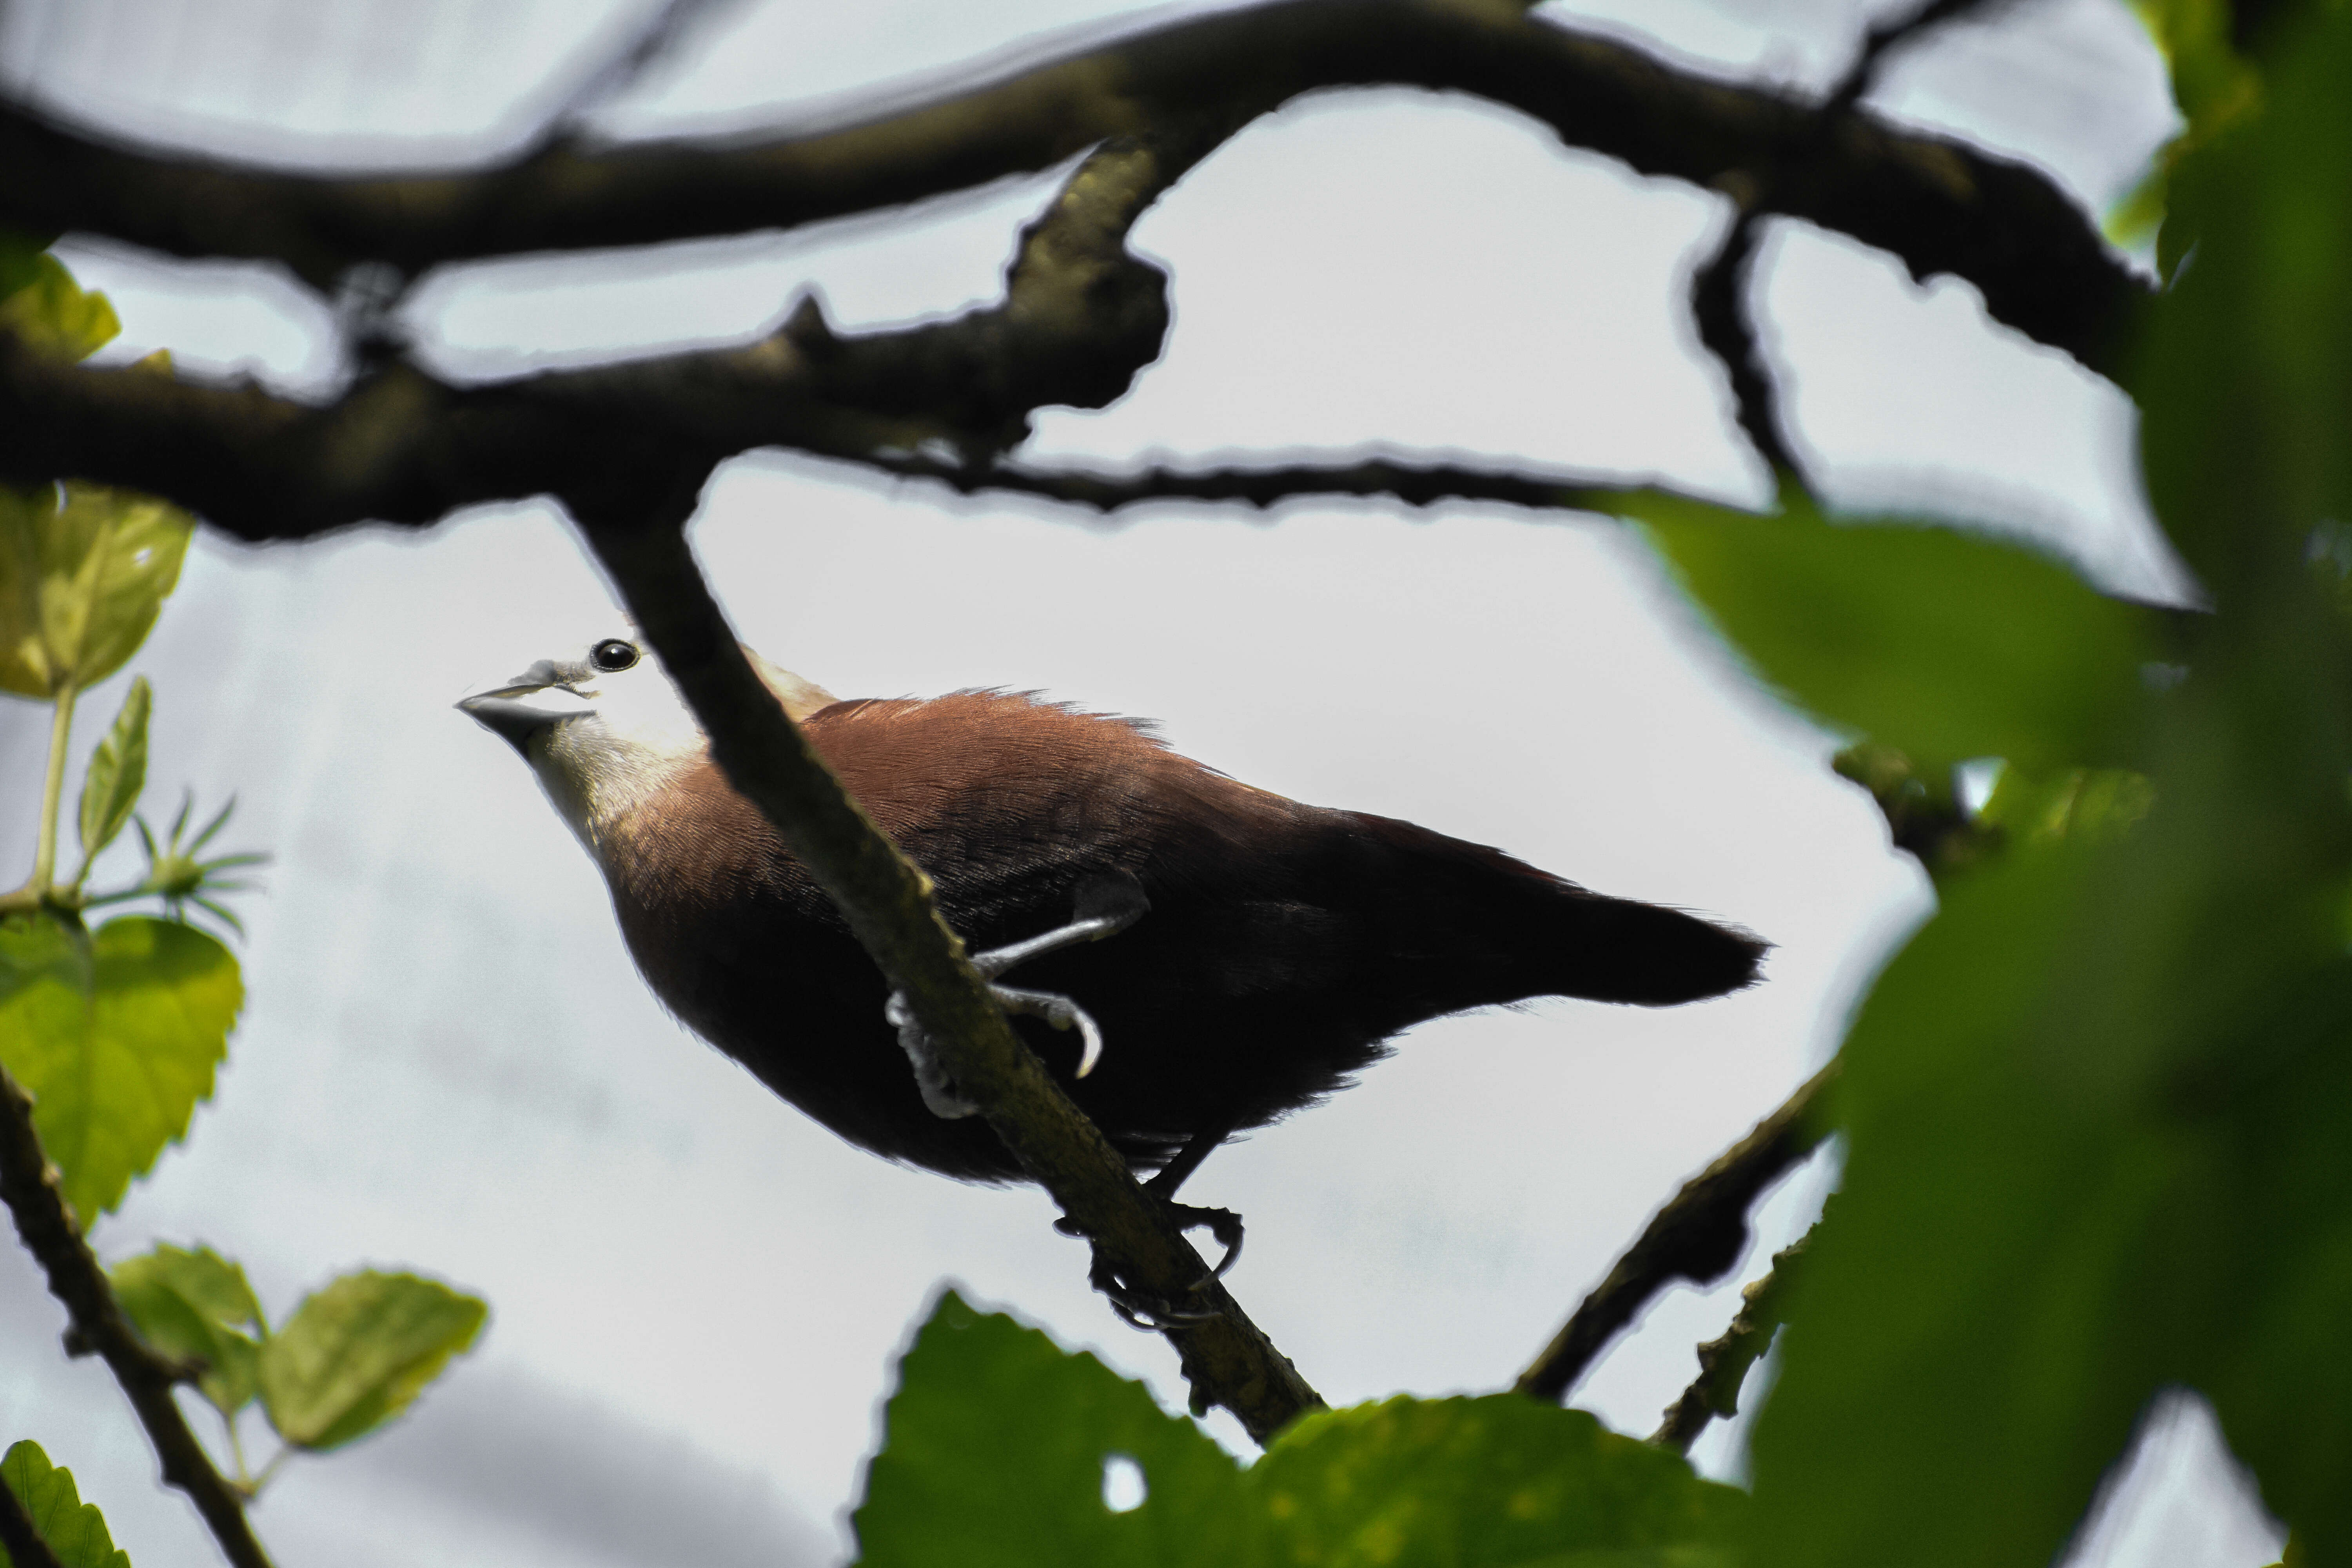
(1944, 645)
(2098, 1111)
(116, 1033)
(74, 1529)
(84, 569)
(2214, 86)
(997, 1445)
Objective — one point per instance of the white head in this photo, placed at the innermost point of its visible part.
(606, 730)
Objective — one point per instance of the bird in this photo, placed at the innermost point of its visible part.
(1229, 955)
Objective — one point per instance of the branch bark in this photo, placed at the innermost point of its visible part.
(28, 1186)
(637, 534)
(1413, 484)
(1939, 204)
(1080, 317)
(1699, 1236)
(1719, 307)
(1724, 1363)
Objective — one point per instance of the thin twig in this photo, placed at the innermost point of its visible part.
(649, 43)
(28, 1184)
(1880, 41)
(637, 534)
(1727, 327)
(1700, 1237)
(1722, 286)
(1724, 1363)
(20, 1536)
(1414, 484)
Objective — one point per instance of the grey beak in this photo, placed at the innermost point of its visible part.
(517, 709)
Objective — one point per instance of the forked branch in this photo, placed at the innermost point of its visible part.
(1700, 1237)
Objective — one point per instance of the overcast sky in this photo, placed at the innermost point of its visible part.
(446, 1061)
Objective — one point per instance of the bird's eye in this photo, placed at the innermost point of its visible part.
(613, 654)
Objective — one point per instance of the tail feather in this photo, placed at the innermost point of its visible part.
(1616, 950)
(1498, 929)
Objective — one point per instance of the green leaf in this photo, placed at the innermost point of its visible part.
(84, 569)
(57, 315)
(2246, 382)
(2087, 804)
(116, 1036)
(21, 259)
(1492, 1482)
(2215, 89)
(118, 771)
(1947, 646)
(359, 1353)
(993, 1453)
(2097, 1112)
(996, 1443)
(71, 1528)
(196, 1306)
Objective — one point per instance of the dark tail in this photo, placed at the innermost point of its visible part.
(1614, 950)
(1484, 927)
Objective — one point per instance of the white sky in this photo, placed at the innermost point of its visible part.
(446, 1061)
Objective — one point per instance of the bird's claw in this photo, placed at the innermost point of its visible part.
(1149, 1310)
(939, 1090)
(1222, 1223)
(1060, 1012)
(1106, 903)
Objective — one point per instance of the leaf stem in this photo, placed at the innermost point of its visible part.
(245, 1481)
(53, 789)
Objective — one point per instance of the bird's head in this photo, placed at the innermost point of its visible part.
(606, 730)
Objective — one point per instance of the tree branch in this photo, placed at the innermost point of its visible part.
(1724, 1363)
(1720, 288)
(28, 1185)
(637, 534)
(1726, 329)
(1699, 1236)
(1939, 204)
(1079, 318)
(1414, 484)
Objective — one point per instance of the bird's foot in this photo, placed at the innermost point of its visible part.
(1149, 1310)
(1222, 1223)
(1059, 1011)
(939, 1091)
(1106, 904)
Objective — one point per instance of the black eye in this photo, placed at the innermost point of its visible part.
(613, 654)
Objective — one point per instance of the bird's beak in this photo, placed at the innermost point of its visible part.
(520, 708)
